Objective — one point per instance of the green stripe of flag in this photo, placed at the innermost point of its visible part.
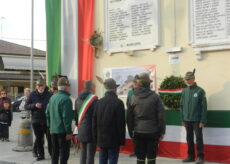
(53, 30)
(216, 118)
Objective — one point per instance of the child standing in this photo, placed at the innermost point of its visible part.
(5, 120)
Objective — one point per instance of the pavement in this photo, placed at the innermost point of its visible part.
(7, 156)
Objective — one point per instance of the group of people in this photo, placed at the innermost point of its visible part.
(102, 122)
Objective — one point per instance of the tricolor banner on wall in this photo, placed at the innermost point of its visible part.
(69, 27)
(216, 136)
(170, 91)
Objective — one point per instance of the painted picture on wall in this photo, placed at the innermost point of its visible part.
(125, 75)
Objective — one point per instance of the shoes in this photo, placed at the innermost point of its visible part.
(132, 155)
(35, 155)
(39, 158)
(7, 140)
(188, 159)
(200, 161)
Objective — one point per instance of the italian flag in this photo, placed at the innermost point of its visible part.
(170, 91)
(69, 26)
(216, 137)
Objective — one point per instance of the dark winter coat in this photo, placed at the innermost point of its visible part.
(6, 116)
(38, 115)
(145, 113)
(109, 122)
(85, 129)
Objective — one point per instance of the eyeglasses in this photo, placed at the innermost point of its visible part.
(3, 93)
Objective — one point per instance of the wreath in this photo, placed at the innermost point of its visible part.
(95, 41)
(170, 91)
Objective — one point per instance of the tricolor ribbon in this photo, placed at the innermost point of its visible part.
(170, 91)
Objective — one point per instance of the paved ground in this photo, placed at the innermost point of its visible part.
(7, 156)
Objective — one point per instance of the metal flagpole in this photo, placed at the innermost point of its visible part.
(32, 46)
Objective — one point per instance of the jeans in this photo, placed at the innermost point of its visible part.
(60, 147)
(109, 155)
(191, 128)
(87, 153)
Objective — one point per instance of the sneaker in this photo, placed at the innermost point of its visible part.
(39, 158)
(188, 159)
(200, 161)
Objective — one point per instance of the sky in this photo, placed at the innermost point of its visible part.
(15, 22)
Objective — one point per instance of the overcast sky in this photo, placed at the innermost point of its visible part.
(15, 20)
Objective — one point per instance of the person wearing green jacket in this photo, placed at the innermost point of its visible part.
(194, 116)
(59, 115)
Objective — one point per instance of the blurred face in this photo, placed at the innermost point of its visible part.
(136, 85)
(190, 82)
(6, 105)
(26, 93)
(53, 90)
(3, 94)
(93, 88)
(67, 89)
(41, 88)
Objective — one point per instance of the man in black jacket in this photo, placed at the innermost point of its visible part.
(84, 108)
(37, 103)
(145, 119)
(109, 124)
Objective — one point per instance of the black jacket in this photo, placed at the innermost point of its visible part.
(145, 113)
(38, 115)
(85, 129)
(6, 116)
(109, 122)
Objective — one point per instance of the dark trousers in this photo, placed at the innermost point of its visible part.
(60, 147)
(39, 131)
(146, 145)
(4, 131)
(108, 155)
(49, 141)
(191, 128)
(87, 153)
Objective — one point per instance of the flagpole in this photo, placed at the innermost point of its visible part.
(32, 45)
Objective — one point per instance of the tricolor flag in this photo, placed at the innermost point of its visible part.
(69, 26)
(61, 16)
(170, 91)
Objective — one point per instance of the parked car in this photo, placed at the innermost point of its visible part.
(15, 104)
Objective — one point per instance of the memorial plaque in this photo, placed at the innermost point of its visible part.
(131, 25)
(210, 23)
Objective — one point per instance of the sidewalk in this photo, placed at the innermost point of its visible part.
(7, 156)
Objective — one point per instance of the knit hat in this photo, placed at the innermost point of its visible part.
(63, 82)
(110, 84)
(190, 75)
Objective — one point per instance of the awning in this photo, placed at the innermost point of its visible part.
(23, 63)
